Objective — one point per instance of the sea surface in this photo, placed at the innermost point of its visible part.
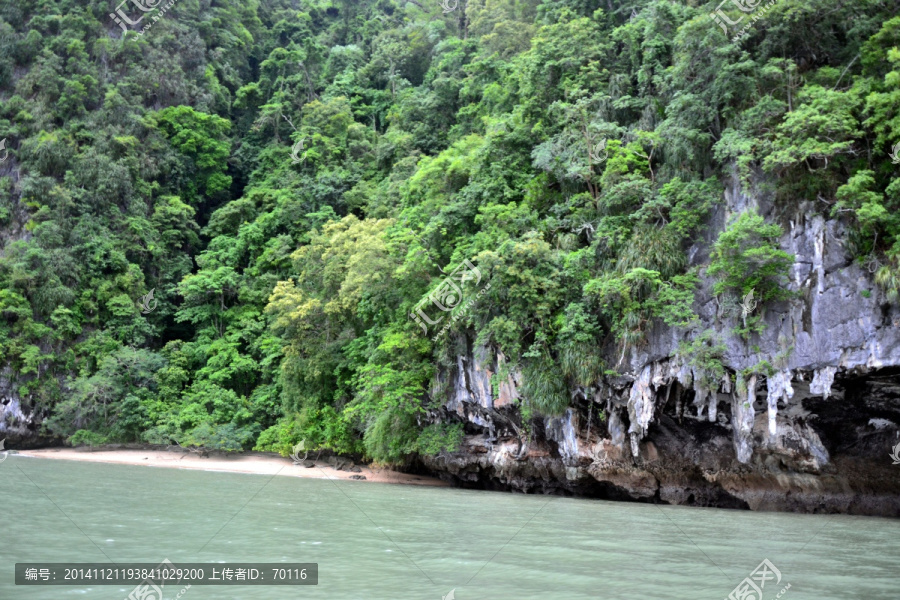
(381, 541)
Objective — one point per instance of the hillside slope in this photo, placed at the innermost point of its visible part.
(643, 249)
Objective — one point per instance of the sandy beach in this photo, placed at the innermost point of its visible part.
(246, 462)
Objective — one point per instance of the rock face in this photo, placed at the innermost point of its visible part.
(811, 433)
(19, 422)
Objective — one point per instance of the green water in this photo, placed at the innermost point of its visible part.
(379, 541)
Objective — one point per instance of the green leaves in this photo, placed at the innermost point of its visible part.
(705, 354)
(110, 400)
(823, 126)
(200, 138)
(867, 205)
(573, 154)
(630, 300)
(883, 102)
(746, 257)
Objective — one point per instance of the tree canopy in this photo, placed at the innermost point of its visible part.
(294, 178)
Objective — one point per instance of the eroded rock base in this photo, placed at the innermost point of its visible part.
(826, 456)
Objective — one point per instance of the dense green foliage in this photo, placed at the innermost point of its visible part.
(292, 177)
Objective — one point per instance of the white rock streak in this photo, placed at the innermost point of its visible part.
(779, 387)
(822, 380)
(641, 406)
(742, 416)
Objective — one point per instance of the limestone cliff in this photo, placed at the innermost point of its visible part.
(812, 434)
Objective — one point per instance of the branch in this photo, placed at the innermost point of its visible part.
(845, 72)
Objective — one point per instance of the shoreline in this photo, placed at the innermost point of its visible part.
(257, 463)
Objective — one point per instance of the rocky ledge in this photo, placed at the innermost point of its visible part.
(812, 430)
(20, 424)
(826, 455)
